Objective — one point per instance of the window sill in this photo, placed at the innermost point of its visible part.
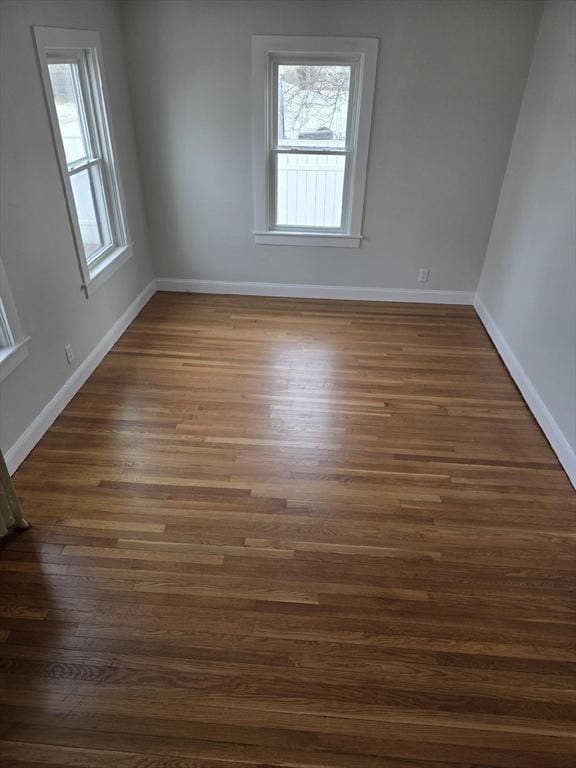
(106, 268)
(324, 240)
(11, 357)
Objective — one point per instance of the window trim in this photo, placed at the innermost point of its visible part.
(267, 51)
(13, 341)
(85, 46)
(95, 154)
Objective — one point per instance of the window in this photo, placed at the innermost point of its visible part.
(13, 348)
(6, 337)
(70, 62)
(312, 112)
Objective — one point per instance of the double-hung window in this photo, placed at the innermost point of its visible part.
(13, 341)
(70, 61)
(312, 110)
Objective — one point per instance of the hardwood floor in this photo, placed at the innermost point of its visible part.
(273, 532)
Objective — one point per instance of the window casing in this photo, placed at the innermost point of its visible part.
(312, 110)
(70, 63)
(13, 341)
(6, 335)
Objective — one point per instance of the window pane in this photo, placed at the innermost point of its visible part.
(66, 91)
(90, 208)
(313, 105)
(309, 190)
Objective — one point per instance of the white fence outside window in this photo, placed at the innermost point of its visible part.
(309, 190)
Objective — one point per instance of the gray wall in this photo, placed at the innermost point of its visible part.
(449, 86)
(528, 283)
(36, 241)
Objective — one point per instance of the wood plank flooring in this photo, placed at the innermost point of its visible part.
(275, 532)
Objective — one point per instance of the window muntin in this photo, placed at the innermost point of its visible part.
(65, 79)
(313, 143)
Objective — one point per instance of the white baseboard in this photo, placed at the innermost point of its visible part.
(554, 434)
(303, 291)
(22, 447)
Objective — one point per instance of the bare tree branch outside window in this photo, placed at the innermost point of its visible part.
(313, 103)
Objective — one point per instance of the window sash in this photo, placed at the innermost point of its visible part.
(83, 97)
(101, 209)
(274, 149)
(310, 60)
(273, 202)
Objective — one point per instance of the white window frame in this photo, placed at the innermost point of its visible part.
(13, 341)
(84, 48)
(267, 51)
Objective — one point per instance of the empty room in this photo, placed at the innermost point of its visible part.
(287, 383)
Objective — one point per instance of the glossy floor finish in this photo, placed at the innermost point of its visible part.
(273, 532)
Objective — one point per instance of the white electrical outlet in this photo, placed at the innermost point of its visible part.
(423, 275)
(69, 354)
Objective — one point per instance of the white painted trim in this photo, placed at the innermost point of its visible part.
(303, 291)
(315, 239)
(537, 406)
(26, 442)
(106, 268)
(99, 116)
(13, 340)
